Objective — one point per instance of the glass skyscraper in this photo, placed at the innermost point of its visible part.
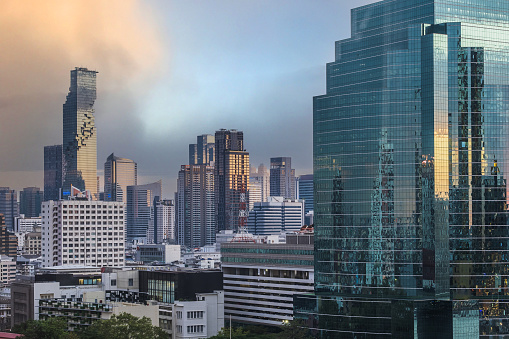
(53, 172)
(79, 133)
(411, 147)
(118, 174)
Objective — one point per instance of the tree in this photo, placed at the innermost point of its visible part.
(124, 326)
(295, 329)
(52, 328)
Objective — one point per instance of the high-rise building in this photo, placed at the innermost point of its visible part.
(9, 206)
(118, 174)
(202, 153)
(53, 172)
(140, 210)
(30, 200)
(8, 240)
(231, 177)
(282, 178)
(259, 185)
(79, 133)
(305, 191)
(275, 216)
(83, 232)
(195, 205)
(164, 221)
(410, 161)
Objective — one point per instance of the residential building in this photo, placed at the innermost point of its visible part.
(22, 224)
(164, 221)
(30, 200)
(305, 191)
(118, 174)
(7, 269)
(162, 253)
(282, 178)
(140, 210)
(32, 244)
(79, 133)
(410, 162)
(53, 172)
(9, 206)
(275, 216)
(260, 279)
(202, 153)
(231, 176)
(195, 204)
(83, 232)
(203, 318)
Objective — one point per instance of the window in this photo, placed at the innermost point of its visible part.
(113, 282)
(131, 282)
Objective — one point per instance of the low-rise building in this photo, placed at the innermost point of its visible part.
(162, 253)
(260, 279)
(7, 269)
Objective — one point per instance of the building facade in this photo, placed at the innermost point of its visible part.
(275, 216)
(164, 221)
(30, 200)
(305, 191)
(118, 174)
(53, 172)
(231, 176)
(9, 206)
(259, 185)
(79, 133)
(260, 280)
(8, 240)
(410, 155)
(203, 152)
(195, 204)
(282, 178)
(140, 210)
(83, 232)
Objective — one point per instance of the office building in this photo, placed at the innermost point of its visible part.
(79, 133)
(231, 176)
(164, 221)
(160, 253)
(118, 174)
(305, 191)
(259, 185)
(9, 206)
(53, 172)
(83, 232)
(23, 224)
(275, 216)
(195, 204)
(260, 279)
(140, 210)
(282, 178)
(410, 156)
(30, 200)
(8, 240)
(203, 152)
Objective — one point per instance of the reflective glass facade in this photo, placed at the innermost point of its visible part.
(410, 155)
(79, 133)
(118, 174)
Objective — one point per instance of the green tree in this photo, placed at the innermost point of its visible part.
(52, 328)
(237, 332)
(295, 329)
(124, 326)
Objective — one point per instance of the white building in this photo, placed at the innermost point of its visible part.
(7, 269)
(275, 216)
(83, 232)
(164, 223)
(259, 185)
(202, 318)
(24, 225)
(158, 252)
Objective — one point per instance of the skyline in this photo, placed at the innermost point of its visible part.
(153, 100)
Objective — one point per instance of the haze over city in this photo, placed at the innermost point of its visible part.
(168, 71)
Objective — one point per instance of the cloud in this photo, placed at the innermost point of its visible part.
(42, 41)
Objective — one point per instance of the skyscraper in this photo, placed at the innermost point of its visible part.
(53, 172)
(305, 191)
(259, 185)
(195, 205)
(276, 215)
(30, 200)
(164, 221)
(79, 133)
(140, 210)
(410, 156)
(282, 178)
(9, 206)
(118, 174)
(202, 153)
(231, 177)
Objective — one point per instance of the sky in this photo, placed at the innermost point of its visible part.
(168, 71)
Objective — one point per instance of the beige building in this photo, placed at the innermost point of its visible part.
(7, 269)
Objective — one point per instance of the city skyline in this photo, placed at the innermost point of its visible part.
(144, 97)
